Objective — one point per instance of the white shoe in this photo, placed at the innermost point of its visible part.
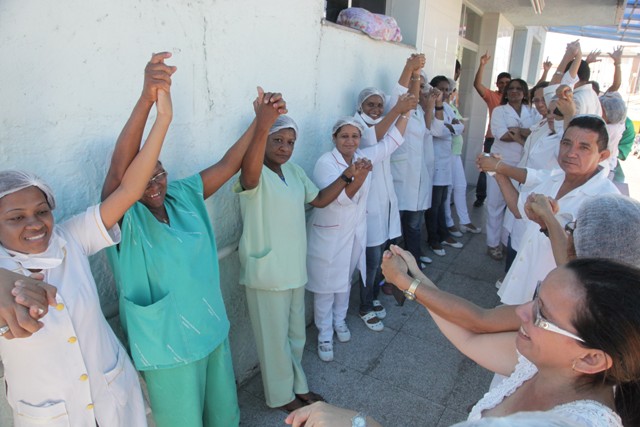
(426, 259)
(470, 228)
(342, 332)
(453, 230)
(439, 252)
(374, 325)
(325, 351)
(453, 243)
(378, 309)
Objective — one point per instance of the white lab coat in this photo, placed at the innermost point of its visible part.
(412, 164)
(442, 145)
(74, 371)
(336, 234)
(502, 119)
(383, 215)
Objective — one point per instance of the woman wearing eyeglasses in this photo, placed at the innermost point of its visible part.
(166, 270)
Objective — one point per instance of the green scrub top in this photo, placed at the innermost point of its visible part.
(273, 246)
(171, 306)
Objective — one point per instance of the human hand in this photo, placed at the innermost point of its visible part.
(320, 414)
(268, 106)
(416, 61)
(546, 65)
(565, 103)
(23, 301)
(616, 55)
(407, 258)
(393, 268)
(593, 56)
(540, 209)
(406, 102)
(157, 75)
(487, 163)
(484, 59)
(573, 48)
(363, 167)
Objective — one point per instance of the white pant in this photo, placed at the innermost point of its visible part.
(329, 310)
(459, 190)
(496, 205)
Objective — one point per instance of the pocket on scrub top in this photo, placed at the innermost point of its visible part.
(121, 378)
(262, 271)
(155, 333)
(49, 414)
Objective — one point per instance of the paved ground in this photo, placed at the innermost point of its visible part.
(408, 374)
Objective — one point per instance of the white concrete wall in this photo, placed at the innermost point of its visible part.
(73, 71)
(440, 36)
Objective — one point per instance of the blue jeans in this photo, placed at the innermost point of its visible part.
(434, 217)
(410, 222)
(370, 290)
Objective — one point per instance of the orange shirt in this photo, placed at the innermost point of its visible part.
(493, 98)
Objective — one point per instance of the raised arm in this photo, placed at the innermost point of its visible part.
(157, 76)
(137, 175)
(546, 66)
(494, 164)
(569, 54)
(398, 115)
(493, 351)
(616, 56)
(267, 107)
(477, 81)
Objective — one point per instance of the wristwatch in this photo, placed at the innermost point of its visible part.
(359, 420)
(347, 179)
(410, 293)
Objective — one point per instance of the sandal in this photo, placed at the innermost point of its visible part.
(309, 398)
(296, 403)
(378, 309)
(371, 320)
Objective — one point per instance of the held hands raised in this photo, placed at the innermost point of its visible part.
(406, 102)
(268, 106)
(157, 76)
(488, 163)
(363, 166)
(416, 61)
(540, 208)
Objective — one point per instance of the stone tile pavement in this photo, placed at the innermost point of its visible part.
(408, 374)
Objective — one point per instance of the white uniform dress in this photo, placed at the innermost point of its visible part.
(535, 257)
(588, 413)
(502, 118)
(336, 234)
(383, 215)
(74, 371)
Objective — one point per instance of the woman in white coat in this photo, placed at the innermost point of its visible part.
(383, 215)
(74, 371)
(336, 234)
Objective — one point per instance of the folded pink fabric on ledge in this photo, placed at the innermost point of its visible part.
(376, 26)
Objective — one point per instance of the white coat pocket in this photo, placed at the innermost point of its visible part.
(49, 414)
(121, 378)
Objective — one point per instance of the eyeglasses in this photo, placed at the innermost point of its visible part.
(543, 323)
(570, 227)
(157, 179)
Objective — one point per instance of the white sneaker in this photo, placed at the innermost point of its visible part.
(426, 259)
(342, 332)
(470, 228)
(325, 351)
(453, 243)
(454, 231)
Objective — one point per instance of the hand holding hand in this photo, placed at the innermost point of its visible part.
(268, 106)
(484, 59)
(406, 102)
(157, 76)
(393, 267)
(573, 49)
(416, 61)
(487, 163)
(616, 55)
(540, 208)
(363, 167)
(408, 259)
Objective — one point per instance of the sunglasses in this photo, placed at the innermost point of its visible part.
(545, 324)
(570, 227)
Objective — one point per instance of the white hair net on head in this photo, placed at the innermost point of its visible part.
(284, 122)
(14, 181)
(608, 226)
(365, 94)
(346, 120)
(614, 107)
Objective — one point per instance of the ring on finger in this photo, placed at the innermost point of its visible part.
(3, 330)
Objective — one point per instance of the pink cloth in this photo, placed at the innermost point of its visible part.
(376, 26)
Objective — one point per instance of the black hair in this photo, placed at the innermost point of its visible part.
(609, 320)
(437, 79)
(503, 75)
(539, 85)
(458, 66)
(595, 124)
(596, 86)
(584, 72)
(525, 92)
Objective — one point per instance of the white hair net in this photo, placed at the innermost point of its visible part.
(614, 107)
(365, 94)
(347, 120)
(13, 181)
(608, 226)
(284, 122)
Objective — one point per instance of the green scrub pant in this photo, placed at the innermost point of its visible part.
(277, 319)
(201, 393)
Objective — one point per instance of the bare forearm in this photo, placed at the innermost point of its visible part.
(513, 172)
(329, 193)
(509, 193)
(617, 78)
(477, 81)
(127, 146)
(252, 162)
